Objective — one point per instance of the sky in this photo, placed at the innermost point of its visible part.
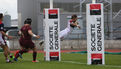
(9, 7)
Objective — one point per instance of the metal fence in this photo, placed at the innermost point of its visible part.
(68, 43)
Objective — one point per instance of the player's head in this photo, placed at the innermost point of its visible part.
(28, 21)
(1, 16)
(74, 17)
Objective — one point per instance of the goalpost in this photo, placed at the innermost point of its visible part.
(95, 33)
(51, 32)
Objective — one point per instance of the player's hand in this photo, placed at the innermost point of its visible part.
(37, 36)
(10, 37)
(76, 23)
(78, 26)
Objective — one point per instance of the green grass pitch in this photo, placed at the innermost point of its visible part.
(68, 61)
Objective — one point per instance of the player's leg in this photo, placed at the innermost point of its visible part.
(20, 53)
(6, 53)
(63, 33)
(34, 54)
(9, 53)
(23, 49)
(17, 52)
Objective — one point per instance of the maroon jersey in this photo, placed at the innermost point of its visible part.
(25, 40)
(25, 33)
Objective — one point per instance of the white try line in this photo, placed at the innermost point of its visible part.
(115, 66)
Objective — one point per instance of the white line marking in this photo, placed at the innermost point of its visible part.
(115, 66)
(73, 62)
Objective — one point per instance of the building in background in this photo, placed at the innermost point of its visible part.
(14, 23)
(7, 20)
(10, 23)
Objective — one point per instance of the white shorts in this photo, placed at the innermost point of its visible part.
(65, 32)
(2, 42)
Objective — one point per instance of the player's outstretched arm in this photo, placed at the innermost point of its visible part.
(75, 24)
(9, 37)
(32, 34)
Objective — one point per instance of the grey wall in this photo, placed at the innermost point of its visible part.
(27, 8)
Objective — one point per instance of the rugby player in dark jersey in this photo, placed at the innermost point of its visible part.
(26, 40)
